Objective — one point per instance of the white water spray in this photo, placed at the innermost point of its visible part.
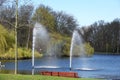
(77, 48)
(40, 41)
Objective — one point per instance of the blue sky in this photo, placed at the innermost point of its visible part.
(85, 12)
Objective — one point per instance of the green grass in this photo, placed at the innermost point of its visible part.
(37, 77)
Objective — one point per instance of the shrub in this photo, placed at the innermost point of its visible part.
(23, 53)
(89, 49)
(6, 39)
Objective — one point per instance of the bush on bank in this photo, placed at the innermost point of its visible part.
(23, 53)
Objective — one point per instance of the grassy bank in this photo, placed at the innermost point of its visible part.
(37, 77)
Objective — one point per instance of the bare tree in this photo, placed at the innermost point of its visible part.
(65, 23)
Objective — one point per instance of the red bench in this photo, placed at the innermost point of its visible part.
(62, 74)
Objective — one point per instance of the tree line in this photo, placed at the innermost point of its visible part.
(104, 37)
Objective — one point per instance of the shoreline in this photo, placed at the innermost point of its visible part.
(26, 58)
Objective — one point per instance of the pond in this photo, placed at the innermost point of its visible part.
(98, 66)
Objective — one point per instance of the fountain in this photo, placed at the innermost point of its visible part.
(40, 41)
(77, 48)
(40, 37)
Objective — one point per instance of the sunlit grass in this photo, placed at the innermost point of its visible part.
(38, 77)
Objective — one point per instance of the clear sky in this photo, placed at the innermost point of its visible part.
(85, 12)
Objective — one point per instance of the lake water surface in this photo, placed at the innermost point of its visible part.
(98, 66)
